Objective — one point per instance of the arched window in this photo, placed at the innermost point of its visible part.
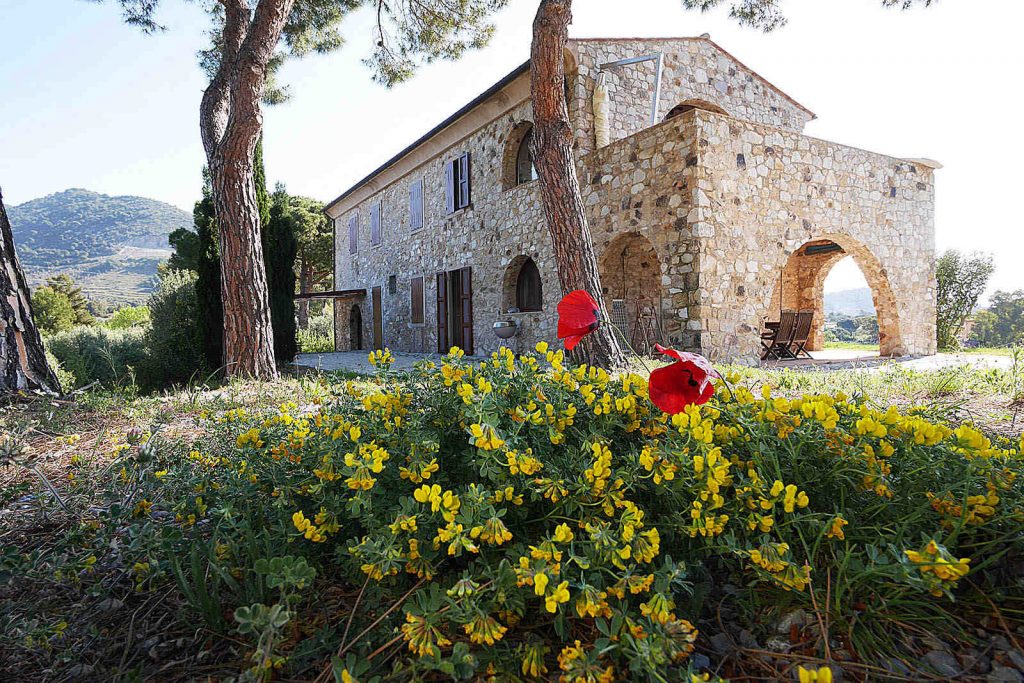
(528, 288)
(525, 170)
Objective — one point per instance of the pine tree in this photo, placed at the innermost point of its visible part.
(249, 42)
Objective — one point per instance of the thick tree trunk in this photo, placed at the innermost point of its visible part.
(230, 123)
(21, 348)
(556, 168)
(248, 334)
(305, 282)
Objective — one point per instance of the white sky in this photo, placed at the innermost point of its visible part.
(91, 103)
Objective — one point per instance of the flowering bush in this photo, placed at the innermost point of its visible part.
(520, 517)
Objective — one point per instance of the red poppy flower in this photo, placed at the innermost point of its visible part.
(578, 316)
(686, 381)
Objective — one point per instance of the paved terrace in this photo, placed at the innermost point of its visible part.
(831, 359)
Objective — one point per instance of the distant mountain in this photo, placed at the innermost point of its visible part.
(110, 245)
(851, 302)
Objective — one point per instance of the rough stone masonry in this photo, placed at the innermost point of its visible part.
(706, 224)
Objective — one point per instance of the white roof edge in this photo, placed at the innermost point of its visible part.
(924, 161)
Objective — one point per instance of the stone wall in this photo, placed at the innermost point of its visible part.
(694, 69)
(500, 225)
(704, 208)
(764, 192)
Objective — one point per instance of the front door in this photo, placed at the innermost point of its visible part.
(455, 310)
(378, 320)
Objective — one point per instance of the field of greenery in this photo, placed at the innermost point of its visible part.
(516, 519)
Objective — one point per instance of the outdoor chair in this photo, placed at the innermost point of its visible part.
(801, 333)
(776, 339)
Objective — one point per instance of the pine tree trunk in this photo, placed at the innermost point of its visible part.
(556, 168)
(21, 347)
(231, 123)
(248, 335)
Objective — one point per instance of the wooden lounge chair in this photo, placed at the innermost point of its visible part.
(776, 340)
(801, 333)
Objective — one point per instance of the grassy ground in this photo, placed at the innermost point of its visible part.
(873, 348)
(73, 619)
(852, 346)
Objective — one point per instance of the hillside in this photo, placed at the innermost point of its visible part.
(110, 245)
(849, 302)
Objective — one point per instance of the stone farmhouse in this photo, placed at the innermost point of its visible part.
(710, 210)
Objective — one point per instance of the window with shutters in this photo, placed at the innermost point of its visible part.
(417, 301)
(375, 223)
(416, 205)
(353, 234)
(457, 183)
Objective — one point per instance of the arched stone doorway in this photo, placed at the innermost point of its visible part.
(631, 284)
(800, 286)
(355, 328)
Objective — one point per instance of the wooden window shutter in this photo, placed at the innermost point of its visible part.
(466, 301)
(416, 204)
(375, 223)
(417, 300)
(463, 181)
(353, 234)
(442, 313)
(449, 186)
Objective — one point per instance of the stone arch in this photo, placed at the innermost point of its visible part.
(687, 105)
(522, 286)
(631, 274)
(355, 328)
(518, 139)
(800, 285)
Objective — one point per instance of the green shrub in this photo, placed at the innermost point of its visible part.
(51, 310)
(96, 354)
(175, 338)
(64, 378)
(128, 316)
(519, 517)
(318, 337)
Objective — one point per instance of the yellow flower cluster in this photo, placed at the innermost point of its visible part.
(308, 528)
(382, 358)
(368, 459)
(485, 437)
(940, 570)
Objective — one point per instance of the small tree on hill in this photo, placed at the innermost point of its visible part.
(65, 284)
(53, 310)
(960, 282)
(22, 355)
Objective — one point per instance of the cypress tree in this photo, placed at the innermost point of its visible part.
(211, 307)
(280, 248)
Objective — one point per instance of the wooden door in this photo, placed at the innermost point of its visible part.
(378, 320)
(466, 308)
(443, 343)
